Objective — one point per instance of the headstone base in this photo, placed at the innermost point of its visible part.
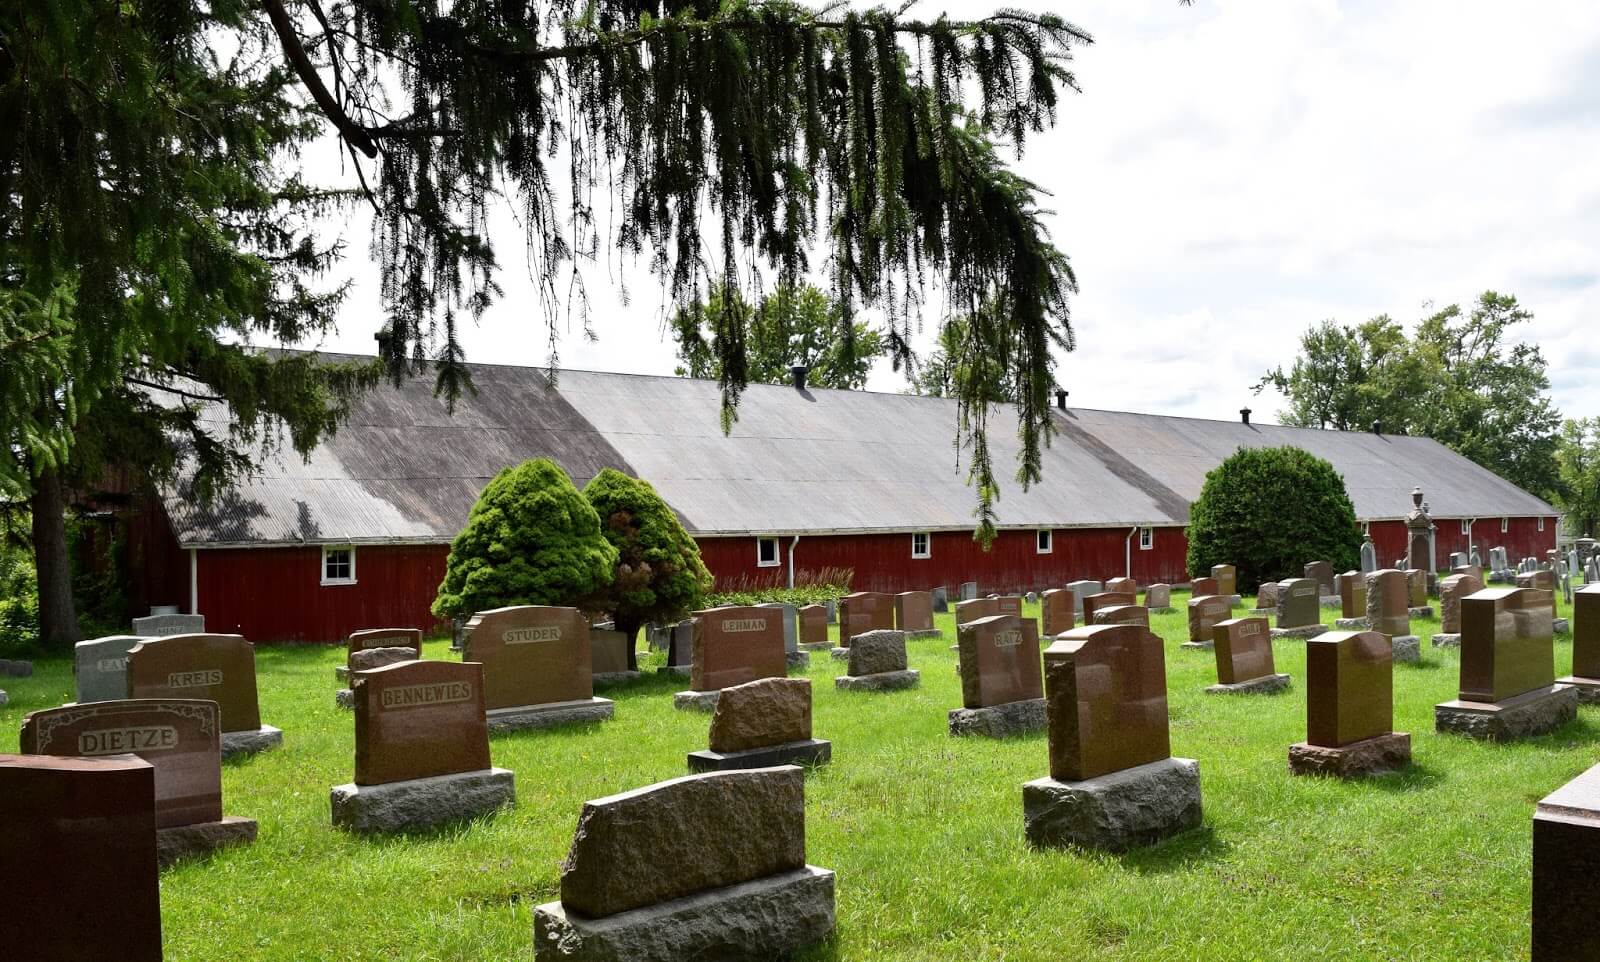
(1531, 713)
(341, 674)
(882, 681)
(203, 838)
(692, 700)
(999, 721)
(1407, 649)
(816, 645)
(1426, 611)
(1332, 601)
(345, 698)
(236, 744)
(1301, 632)
(1265, 685)
(1350, 624)
(4, 698)
(1198, 645)
(419, 804)
(1115, 812)
(1588, 689)
(1263, 612)
(926, 633)
(1447, 640)
(16, 669)
(768, 918)
(797, 659)
(812, 751)
(1561, 626)
(1163, 611)
(839, 654)
(682, 671)
(1234, 601)
(609, 679)
(531, 717)
(1370, 756)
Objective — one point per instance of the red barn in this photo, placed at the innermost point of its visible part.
(357, 536)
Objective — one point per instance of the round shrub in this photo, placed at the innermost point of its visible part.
(531, 539)
(1269, 511)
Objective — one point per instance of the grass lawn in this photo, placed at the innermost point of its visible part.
(924, 831)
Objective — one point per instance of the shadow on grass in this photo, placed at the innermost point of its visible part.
(1413, 778)
(1177, 854)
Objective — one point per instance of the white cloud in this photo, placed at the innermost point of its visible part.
(1240, 169)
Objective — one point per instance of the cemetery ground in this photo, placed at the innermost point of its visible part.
(924, 830)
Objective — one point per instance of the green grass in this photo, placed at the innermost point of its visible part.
(924, 831)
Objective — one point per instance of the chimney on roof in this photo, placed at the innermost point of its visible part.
(1244, 415)
(1061, 400)
(1377, 426)
(798, 372)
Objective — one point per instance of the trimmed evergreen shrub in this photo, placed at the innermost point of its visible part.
(659, 576)
(531, 539)
(1269, 511)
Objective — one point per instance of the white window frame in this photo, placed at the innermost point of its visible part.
(1044, 541)
(1366, 528)
(1505, 525)
(1147, 538)
(1466, 527)
(777, 554)
(927, 545)
(1541, 522)
(328, 549)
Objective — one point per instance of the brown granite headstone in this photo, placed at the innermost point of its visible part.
(1474, 570)
(813, 624)
(976, 608)
(1322, 573)
(1106, 599)
(418, 719)
(1352, 595)
(1299, 603)
(999, 661)
(1008, 605)
(1204, 613)
(1389, 602)
(608, 651)
(736, 644)
(1202, 586)
(381, 638)
(1541, 579)
(861, 612)
(1416, 587)
(219, 668)
(1122, 615)
(531, 655)
(1106, 701)
(1057, 612)
(913, 611)
(1227, 578)
(1349, 687)
(1506, 643)
(1267, 595)
(1244, 650)
(1126, 586)
(756, 714)
(1586, 632)
(1566, 861)
(180, 738)
(1158, 596)
(78, 843)
(1451, 591)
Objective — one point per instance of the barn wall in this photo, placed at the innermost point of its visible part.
(158, 569)
(1522, 539)
(276, 594)
(883, 562)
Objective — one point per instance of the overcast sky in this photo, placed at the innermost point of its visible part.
(1238, 170)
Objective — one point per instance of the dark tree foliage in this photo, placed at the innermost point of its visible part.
(659, 575)
(1269, 511)
(531, 539)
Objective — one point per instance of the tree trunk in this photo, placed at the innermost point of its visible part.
(629, 627)
(58, 621)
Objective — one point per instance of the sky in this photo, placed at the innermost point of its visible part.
(1234, 172)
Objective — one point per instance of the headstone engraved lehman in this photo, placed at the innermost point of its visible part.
(1113, 784)
(701, 867)
(1299, 609)
(537, 668)
(1204, 613)
(1585, 677)
(733, 645)
(1243, 648)
(100, 667)
(1508, 687)
(1350, 708)
(761, 724)
(180, 738)
(1566, 860)
(219, 668)
(1002, 685)
(878, 663)
(84, 832)
(422, 750)
(1389, 612)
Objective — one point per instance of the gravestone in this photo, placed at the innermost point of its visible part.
(1002, 687)
(1082, 590)
(219, 668)
(608, 657)
(1369, 555)
(1500, 566)
(1538, 578)
(100, 667)
(1104, 599)
(1202, 586)
(1352, 601)
(795, 658)
(1389, 612)
(1475, 571)
(814, 628)
(1508, 687)
(976, 608)
(941, 599)
(1266, 599)
(1158, 598)
(1244, 658)
(680, 648)
(1350, 708)
(1204, 613)
(1476, 559)
(1417, 593)
(967, 591)
(1113, 784)
(1451, 591)
(1008, 605)
(1122, 615)
(1125, 586)
(538, 670)
(733, 645)
(1322, 573)
(1585, 677)
(863, 611)
(913, 614)
(422, 750)
(761, 724)
(374, 648)
(1566, 860)
(1299, 608)
(1227, 578)
(708, 866)
(877, 662)
(1459, 559)
(159, 626)
(81, 833)
(1057, 611)
(1419, 536)
(182, 741)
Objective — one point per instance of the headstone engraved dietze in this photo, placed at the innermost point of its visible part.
(1002, 686)
(219, 668)
(1350, 708)
(761, 724)
(1243, 647)
(1508, 687)
(538, 671)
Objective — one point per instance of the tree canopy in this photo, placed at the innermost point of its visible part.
(1578, 481)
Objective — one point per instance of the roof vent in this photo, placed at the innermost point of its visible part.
(1244, 415)
(1377, 426)
(1061, 399)
(798, 372)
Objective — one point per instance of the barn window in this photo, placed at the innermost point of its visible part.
(1042, 540)
(766, 552)
(1147, 538)
(920, 548)
(1466, 527)
(339, 565)
(1541, 522)
(1505, 525)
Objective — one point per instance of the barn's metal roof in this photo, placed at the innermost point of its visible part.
(406, 470)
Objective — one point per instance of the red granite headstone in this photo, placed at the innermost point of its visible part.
(1243, 648)
(999, 661)
(219, 668)
(1349, 687)
(736, 644)
(418, 719)
(531, 655)
(913, 611)
(1106, 701)
(859, 613)
(1106, 599)
(1506, 643)
(1056, 608)
(813, 624)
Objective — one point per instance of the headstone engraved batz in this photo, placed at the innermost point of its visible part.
(1000, 662)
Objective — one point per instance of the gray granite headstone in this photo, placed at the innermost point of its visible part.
(157, 626)
(1477, 559)
(941, 599)
(1081, 590)
(1369, 556)
(1458, 559)
(101, 667)
(969, 591)
(791, 624)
